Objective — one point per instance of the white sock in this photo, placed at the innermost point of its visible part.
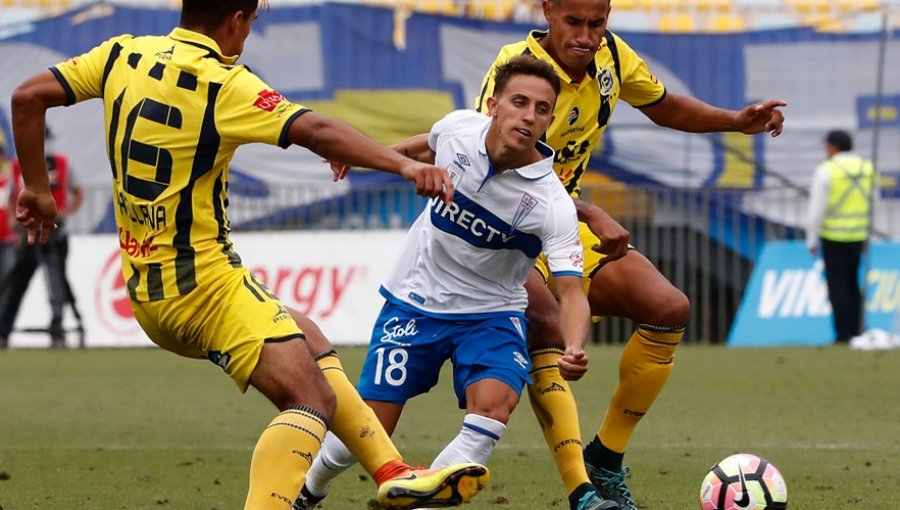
(474, 443)
(333, 459)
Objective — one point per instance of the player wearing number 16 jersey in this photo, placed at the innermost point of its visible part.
(176, 108)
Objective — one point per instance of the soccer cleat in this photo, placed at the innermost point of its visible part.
(611, 485)
(306, 500)
(434, 488)
(593, 501)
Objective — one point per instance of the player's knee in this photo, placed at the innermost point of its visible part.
(674, 310)
(665, 307)
(310, 391)
(319, 397)
(498, 413)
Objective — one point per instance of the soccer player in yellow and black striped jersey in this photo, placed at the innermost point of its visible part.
(176, 108)
(598, 69)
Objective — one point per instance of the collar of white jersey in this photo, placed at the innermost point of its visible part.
(534, 171)
(201, 41)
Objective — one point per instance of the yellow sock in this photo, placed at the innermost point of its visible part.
(354, 422)
(281, 458)
(643, 370)
(554, 406)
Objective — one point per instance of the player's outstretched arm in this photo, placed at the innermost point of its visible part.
(337, 141)
(417, 148)
(692, 115)
(574, 320)
(36, 209)
(613, 236)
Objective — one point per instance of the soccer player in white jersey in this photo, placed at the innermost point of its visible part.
(457, 287)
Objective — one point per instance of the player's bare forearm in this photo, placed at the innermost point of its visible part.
(613, 236)
(30, 102)
(574, 320)
(574, 312)
(416, 148)
(689, 114)
(335, 140)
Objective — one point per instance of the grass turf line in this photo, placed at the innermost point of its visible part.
(144, 429)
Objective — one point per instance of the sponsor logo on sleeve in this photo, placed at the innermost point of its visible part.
(268, 100)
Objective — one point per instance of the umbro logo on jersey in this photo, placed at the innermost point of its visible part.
(268, 100)
(573, 115)
(463, 160)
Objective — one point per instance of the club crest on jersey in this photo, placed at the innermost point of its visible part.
(526, 205)
(574, 113)
(268, 100)
(605, 79)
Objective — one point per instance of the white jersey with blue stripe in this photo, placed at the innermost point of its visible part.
(469, 259)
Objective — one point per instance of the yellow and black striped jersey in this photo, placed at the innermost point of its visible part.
(583, 108)
(175, 110)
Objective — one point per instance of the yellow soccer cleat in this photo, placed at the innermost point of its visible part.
(434, 488)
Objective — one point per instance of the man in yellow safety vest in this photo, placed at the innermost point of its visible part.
(841, 201)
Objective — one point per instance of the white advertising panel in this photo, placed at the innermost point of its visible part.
(333, 277)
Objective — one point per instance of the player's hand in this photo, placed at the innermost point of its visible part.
(761, 117)
(37, 213)
(340, 170)
(614, 237)
(430, 180)
(574, 364)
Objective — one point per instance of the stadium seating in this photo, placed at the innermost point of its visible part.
(677, 16)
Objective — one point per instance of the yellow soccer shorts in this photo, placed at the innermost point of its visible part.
(592, 262)
(226, 321)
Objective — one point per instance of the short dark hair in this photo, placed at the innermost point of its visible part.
(210, 13)
(525, 64)
(840, 140)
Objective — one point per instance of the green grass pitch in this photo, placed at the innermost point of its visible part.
(143, 429)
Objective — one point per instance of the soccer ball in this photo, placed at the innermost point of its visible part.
(743, 481)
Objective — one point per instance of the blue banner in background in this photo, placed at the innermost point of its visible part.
(393, 76)
(787, 303)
